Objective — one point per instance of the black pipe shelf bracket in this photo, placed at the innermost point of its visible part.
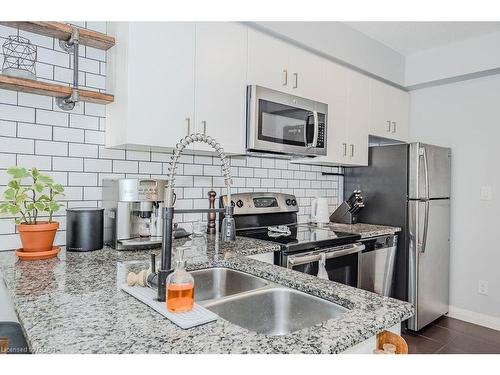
(71, 46)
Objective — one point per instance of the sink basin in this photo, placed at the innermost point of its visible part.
(275, 311)
(215, 283)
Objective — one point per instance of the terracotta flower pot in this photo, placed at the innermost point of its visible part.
(38, 237)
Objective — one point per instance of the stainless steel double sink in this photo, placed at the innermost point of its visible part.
(259, 305)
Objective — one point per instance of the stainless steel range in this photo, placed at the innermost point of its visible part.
(317, 251)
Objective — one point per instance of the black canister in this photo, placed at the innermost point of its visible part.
(84, 228)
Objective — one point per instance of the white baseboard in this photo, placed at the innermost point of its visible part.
(484, 320)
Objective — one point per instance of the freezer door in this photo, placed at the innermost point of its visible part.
(429, 171)
(429, 260)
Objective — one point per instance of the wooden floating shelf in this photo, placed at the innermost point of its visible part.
(62, 31)
(52, 89)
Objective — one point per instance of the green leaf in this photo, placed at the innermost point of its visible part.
(14, 184)
(34, 172)
(45, 179)
(30, 206)
(4, 207)
(40, 206)
(18, 172)
(44, 198)
(39, 187)
(53, 206)
(18, 220)
(9, 194)
(58, 188)
(13, 209)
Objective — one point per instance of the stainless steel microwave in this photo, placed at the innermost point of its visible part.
(278, 122)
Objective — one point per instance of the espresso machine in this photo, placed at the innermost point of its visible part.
(133, 213)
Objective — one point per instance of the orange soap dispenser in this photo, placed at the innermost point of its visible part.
(180, 289)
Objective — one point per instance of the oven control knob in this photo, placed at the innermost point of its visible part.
(294, 202)
(288, 202)
(232, 203)
(239, 203)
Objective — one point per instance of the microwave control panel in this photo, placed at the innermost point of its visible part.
(321, 135)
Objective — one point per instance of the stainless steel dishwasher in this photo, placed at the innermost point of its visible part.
(377, 264)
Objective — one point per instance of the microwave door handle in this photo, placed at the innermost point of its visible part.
(316, 129)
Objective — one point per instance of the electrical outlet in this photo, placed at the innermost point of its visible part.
(486, 193)
(482, 287)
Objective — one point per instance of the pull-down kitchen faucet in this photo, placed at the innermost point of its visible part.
(228, 228)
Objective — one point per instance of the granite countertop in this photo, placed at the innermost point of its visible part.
(73, 304)
(365, 230)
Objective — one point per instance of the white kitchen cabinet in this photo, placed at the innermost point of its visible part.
(220, 84)
(348, 118)
(358, 102)
(389, 111)
(150, 70)
(278, 65)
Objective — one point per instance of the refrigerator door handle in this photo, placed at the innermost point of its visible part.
(423, 154)
(423, 244)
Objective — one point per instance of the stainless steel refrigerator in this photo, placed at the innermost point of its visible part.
(408, 185)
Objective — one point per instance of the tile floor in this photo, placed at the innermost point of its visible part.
(452, 336)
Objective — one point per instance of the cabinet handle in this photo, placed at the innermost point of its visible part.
(295, 80)
(344, 145)
(352, 150)
(394, 127)
(188, 122)
(285, 77)
(388, 126)
(204, 123)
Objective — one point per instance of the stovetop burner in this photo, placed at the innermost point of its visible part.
(302, 237)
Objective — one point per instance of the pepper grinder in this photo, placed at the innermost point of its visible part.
(211, 215)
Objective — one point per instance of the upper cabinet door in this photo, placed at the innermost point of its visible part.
(358, 103)
(268, 62)
(337, 80)
(307, 74)
(153, 87)
(389, 111)
(220, 84)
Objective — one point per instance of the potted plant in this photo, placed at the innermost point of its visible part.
(33, 203)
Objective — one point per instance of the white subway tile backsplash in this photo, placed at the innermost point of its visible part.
(253, 162)
(37, 39)
(109, 153)
(8, 128)
(50, 56)
(83, 122)
(92, 193)
(15, 113)
(8, 96)
(138, 155)
(83, 150)
(67, 164)
(7, 160)
(95, 81)
(51, 148)
(202, 159)
(98, 165)
(52, 118)
(33, 100)
(96, 54)
(193, 169)
(94, 109)
(190, 193)
(268, 163)
(150, 167)
(36, 161)
(34, 131)
(260, 172)
(44, 70)
(73, 193)
(122, 166)
(82, 179)
(245, 172)
(17, 145)
(68, 134)
(212, 170)
(95, 137)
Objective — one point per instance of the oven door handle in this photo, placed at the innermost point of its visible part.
(297, 260)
